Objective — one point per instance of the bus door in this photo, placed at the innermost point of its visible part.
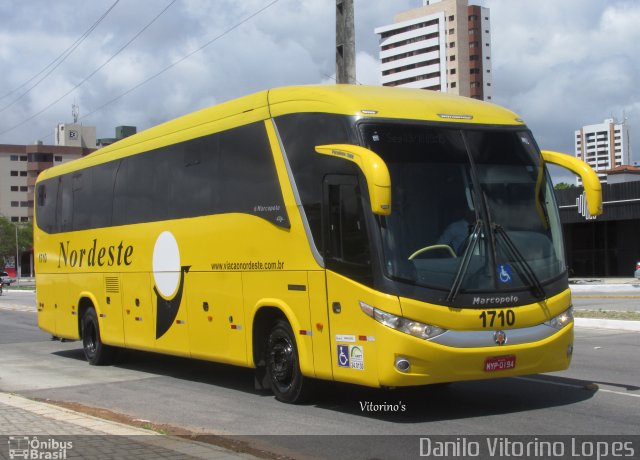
(348, 272)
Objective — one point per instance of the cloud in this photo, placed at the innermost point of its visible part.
(558, 64)
(562, 65)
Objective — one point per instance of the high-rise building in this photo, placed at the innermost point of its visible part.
(445, 45)
(603, 146)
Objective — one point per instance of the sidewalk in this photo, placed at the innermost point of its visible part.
(28, 427)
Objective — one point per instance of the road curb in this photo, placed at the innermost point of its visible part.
(617, 324)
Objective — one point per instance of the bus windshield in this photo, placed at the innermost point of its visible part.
(473, 209)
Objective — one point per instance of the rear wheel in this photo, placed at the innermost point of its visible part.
(96, 352)
(283, 366)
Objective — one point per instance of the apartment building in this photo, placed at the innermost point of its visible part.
(603, 146)
(445, 45)
(19, 169)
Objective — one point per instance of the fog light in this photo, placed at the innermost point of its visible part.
(403, 364)
(570, 350)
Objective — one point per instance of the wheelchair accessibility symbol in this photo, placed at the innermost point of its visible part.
(343, 356)
(505, 273)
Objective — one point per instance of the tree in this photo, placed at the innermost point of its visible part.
(8, 238)
(564, 186)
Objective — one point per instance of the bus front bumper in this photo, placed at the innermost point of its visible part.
(407, 361)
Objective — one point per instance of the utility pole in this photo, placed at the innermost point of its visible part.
(17, 264)
(345, 43)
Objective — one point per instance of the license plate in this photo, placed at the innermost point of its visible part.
(499, 363)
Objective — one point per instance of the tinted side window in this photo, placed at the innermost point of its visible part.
(300, 133)
(101, 197)
(46, 203)
(82, 193)
(143, 186)
(197, 178)
(65, 203)
(247, 174)
(346, 241)
(227, 172)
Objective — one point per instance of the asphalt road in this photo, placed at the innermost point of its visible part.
(598, 395)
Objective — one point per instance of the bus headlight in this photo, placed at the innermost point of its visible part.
(399, 323)
(561, 320)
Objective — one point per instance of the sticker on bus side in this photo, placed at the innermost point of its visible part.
(345, 338)
(351, 357)
(343, 356)
(356, 355)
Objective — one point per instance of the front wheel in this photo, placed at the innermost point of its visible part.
(96, 352)
(283, 366)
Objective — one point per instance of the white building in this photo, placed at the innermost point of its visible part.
(75, 135)
(19, 169)
(445, 45)
(603, 146)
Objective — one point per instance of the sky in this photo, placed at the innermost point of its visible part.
(558, 64)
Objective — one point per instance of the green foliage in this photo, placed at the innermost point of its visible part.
(8, 238)
(564, 186)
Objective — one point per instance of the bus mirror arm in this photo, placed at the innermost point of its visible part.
(374, 169)
(590, 180)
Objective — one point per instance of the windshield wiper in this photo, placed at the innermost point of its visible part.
(464, 264)
(524, 271)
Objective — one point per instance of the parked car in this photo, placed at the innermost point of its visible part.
(638, 269)
(2, 281)
(4, 276)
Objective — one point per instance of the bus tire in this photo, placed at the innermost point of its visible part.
(283, 367)
(96, 352)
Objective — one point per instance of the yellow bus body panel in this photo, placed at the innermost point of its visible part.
(468, 319)
(434, 363)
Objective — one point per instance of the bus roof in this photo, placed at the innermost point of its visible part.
(387, 102)
(361, 101)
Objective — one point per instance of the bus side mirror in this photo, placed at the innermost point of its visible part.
(374, 169)
(590, 180)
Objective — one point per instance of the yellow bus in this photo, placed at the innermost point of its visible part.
(379, 236)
